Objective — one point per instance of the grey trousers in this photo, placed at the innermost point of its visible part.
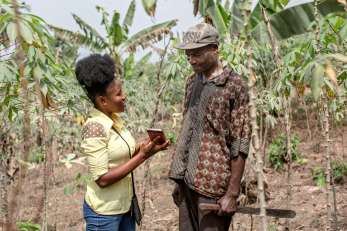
(192, 219)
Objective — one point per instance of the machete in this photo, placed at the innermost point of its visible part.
(280, 213)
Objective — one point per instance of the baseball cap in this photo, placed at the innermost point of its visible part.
(198, 35)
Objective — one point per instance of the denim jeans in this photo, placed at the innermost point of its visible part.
(95, 221)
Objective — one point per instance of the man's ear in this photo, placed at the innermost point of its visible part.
(215, 48)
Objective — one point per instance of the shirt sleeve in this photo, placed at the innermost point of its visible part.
(240, 126)
(94, 145)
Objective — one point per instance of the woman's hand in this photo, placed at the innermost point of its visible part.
(148, 148)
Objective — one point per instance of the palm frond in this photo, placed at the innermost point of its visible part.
(78, 39)
(128, 19)
(88, 30)
(149, 36)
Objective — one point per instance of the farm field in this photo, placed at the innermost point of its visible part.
(308, 199)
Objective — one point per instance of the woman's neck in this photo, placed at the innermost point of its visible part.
(107, 113)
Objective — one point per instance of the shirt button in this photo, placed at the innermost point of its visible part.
(185, 159)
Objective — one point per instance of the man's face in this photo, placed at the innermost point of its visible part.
(202, 59)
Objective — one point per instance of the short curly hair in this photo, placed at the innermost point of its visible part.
(95, 73)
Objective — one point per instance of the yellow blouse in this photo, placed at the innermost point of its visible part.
(105, 149)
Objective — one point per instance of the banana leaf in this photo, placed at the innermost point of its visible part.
(128, 19)
(150, 34)
(294, 20)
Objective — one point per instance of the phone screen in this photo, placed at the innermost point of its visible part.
(153, 134)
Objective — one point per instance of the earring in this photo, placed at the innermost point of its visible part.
(104, 103)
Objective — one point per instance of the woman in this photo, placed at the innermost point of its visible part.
(107, 144)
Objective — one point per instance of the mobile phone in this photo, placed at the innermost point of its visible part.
(153, 133)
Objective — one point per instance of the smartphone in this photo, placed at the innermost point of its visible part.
(153, 133)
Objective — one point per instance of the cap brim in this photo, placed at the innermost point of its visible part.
(188, 46)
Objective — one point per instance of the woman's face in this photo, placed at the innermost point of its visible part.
(115, 99)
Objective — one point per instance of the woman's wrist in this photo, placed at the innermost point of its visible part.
(142, 155)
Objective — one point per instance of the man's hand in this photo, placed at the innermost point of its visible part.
(176, 195)
(228, 205)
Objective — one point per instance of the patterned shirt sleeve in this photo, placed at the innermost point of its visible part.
(240, 126)
(94, 145)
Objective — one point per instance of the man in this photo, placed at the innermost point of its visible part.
(213, 143)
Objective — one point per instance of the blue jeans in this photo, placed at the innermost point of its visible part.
(95, 221)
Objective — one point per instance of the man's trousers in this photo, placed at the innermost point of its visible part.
(192, 219)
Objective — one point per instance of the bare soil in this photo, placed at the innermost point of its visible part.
(308, 200)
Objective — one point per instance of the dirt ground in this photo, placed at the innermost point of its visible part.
(308, 200)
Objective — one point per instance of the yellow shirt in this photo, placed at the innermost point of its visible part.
(105, 149)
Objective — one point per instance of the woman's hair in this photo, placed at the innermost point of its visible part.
(95, 73)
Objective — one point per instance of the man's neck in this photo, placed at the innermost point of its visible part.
(215, 70)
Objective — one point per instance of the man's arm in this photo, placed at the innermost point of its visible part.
(228, 202)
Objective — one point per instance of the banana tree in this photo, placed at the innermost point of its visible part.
(118, 41)
(284, 22)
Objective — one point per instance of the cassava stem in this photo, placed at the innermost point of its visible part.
(43, 145)
(255, 128)
(325, 130)
(24, 83)
(3, 190)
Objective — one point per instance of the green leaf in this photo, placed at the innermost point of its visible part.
(69, 55)
(78, 176)
(31, 53)
(294, 20)
(270, 9)
(26, 32)
(149, 6)
(343, 31)
(79, 160)
(12, 31)
(7, 9)
(146, 35)
(202, 8)
(116, 35)
(321, 180)
(129, 66)
(80, 40)
(78, 187)
(143, 60)
(342, 58)
(317, 81)
(88, 30)
(128, 19)
(315, 168)
(5, 72)
(70, 156)
(68, 188)
(40, 56)
(218, 16)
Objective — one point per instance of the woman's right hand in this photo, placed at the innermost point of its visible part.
(149, 148)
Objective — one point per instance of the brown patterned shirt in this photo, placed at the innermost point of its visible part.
(215, 127)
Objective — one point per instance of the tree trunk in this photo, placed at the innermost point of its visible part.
(255, 128)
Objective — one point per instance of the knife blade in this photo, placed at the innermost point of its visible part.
(280, 213)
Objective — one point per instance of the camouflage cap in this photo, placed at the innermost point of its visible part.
(198, 35)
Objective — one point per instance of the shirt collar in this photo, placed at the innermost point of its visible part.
(117, 122)
(222, 78)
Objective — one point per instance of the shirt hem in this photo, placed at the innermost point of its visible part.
(204, 193)
(105, 213)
